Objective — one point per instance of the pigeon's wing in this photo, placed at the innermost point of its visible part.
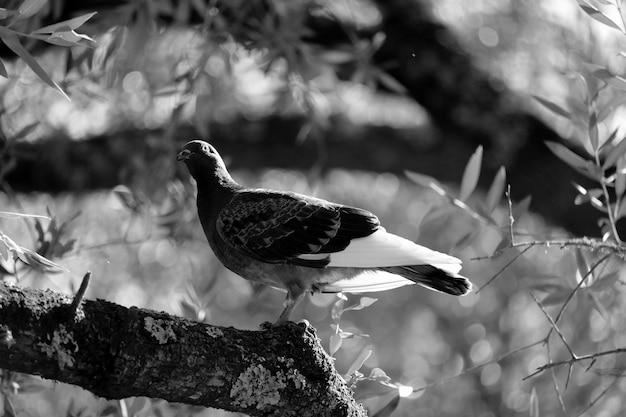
(277, 227)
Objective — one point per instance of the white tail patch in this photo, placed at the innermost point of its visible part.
(368, 281)
(382, 249)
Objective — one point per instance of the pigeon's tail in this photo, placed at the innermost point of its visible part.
(433, 278)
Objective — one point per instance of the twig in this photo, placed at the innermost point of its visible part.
(607, 200)
(574, 360)
(478, 366)
(555, 383)
(504, 268)
(602, 394)
(554, 325)
(511, 218)
(80, 293)
(582, 281)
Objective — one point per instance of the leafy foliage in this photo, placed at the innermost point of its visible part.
(62, 34)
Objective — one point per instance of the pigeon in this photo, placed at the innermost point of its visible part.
(302, 244)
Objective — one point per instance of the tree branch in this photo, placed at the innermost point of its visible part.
(117, 352)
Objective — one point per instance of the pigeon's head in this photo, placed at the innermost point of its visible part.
(203, 161)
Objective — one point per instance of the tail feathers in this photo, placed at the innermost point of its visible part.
(433, 278)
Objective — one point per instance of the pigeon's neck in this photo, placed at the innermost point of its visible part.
(215, 188)
(216, 184)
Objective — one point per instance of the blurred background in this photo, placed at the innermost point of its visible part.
(337, 99)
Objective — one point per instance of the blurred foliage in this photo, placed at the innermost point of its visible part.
(407, 352)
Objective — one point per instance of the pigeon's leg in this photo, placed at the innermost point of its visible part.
(293, 298)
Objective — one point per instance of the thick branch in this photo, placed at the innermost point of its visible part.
(116, 352)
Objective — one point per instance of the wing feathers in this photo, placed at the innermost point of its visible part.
(382, 249)
(279, 227)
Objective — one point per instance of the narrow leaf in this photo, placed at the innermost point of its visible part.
(358, 362)
(337, 309)
(10, 244)
(66, 25)
(38, 262)
(605, 282)
(388, 409)
(598, 15)
(615, 153)
(534, 403)
(556, 297)
(11, 40)
(553, 107)
(4, 250)
(391, 83)
(12, 215)
(582, 268)
(569, 157)
(28, 8)
(620, 176)
(521, 208)
(426, 181)
(66, 38)
(496, 190)
(471, 174)
(3, 70)
(363, 303)
(593, 129)
(335, 343)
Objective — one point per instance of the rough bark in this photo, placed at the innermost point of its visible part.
(117, 352)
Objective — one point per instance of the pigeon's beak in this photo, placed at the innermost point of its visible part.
(183, 155)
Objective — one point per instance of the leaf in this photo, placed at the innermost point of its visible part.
(12, 215)
(575, 161)
(556, 297)
(4, 250)
(426, 181)
(358, 362)
(546, 283)
(391, 83)
(585, 196)
(598, 15)
(388, 409)
(11, 245)
(521, 208)
(363, 303)
(28, 8)
(335, 343)
(593, 129)
(471, 174)
(138, 405)
(614, 154)
(553, 107)
(66, 25)
(11, 41)
(534, 403)
(620, 176)
(337, 57)
(38, 262)
(3, 70)
(582, 268)
(377, 374)
(496, 190)
(66, 38)
(619, 372)
(621, 211)
(596, 305)
(337, 310)
(605, 282)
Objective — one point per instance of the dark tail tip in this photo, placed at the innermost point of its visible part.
(433, 278)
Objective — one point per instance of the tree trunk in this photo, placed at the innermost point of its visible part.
(116, 352)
